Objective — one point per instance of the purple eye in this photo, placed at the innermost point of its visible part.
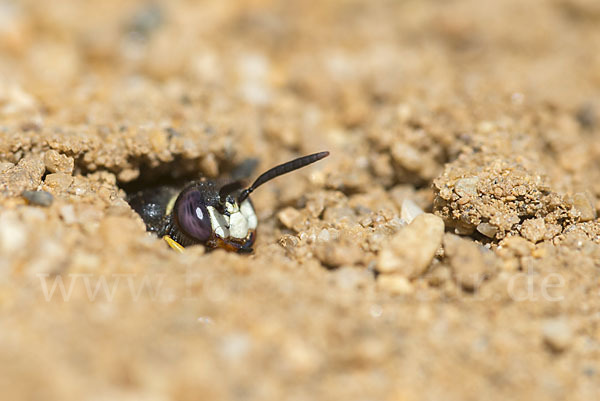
(193, 217)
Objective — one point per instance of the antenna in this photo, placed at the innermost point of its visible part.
(272, 173)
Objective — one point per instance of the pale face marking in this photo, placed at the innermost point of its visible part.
(218, 223)
(248, 212)
(238, 227)
(237, 224)
(232, 207)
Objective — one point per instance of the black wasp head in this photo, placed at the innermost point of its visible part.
(225, 217)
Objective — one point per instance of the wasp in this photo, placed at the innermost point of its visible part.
(208, 212)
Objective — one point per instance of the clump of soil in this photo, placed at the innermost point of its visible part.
(497, 197)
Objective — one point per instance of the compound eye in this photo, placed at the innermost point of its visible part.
(193, 217)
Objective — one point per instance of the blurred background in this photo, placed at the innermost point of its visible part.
(335, 56)
(295, 76)
(404, 93)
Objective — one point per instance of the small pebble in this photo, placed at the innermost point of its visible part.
(487, 229)
(58, 163)
(395, 284)
(147, 19)
(440, 275)
(323, 236)
(128, 174)
(407, 156)
(38, 198)
(534, 229)
(466, 187)
(411, 250)
(586, 116)
(289, 217)
(410, 210)
(58, 182)
(557, 334)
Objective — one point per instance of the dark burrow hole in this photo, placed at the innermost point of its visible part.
(152, 193)
(182, 171)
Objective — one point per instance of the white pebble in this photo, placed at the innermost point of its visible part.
(324, 235)
(557, 334)
(410, 210)
(411, 250)
(487, 229)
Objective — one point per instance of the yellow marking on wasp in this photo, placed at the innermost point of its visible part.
(173, 244)
(171, 204)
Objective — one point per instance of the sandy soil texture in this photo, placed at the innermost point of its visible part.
(448, 249)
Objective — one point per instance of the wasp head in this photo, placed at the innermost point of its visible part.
(224, 216)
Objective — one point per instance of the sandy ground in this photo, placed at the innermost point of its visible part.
(483, 114)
